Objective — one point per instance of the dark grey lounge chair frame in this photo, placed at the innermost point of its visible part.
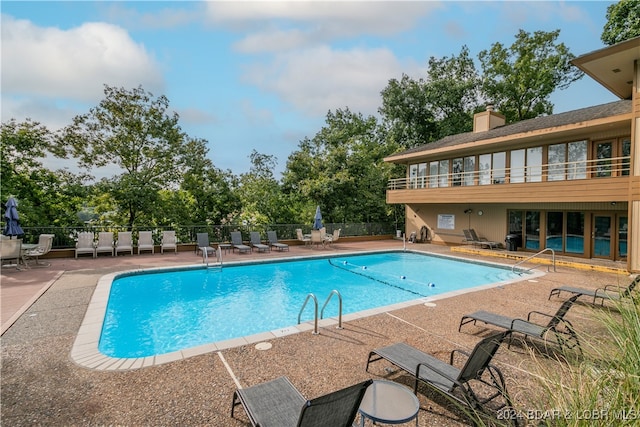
(277, 403)
(204, 244)
(236, 242)
(450, 381)
(257, 243)
(272, 237)
(561, 328)
(609, 292)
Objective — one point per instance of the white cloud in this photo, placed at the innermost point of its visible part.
(320, 79)
(72, 64)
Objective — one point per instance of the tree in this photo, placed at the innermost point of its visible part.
(623, 22)
(46, 197)
(521, 78)
(133, 131)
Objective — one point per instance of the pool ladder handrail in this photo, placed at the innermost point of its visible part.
(315, 316)
(331, 294)
(553, 260)
(205, 256)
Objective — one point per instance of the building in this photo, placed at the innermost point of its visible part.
(569, 182)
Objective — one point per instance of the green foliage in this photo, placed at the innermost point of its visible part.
(132, 131)
(623, 22)
(520, 79)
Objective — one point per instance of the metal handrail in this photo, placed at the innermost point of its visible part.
(315, 301)
(334, 292)
(553, 259)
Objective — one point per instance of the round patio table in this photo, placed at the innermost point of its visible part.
(389, 403)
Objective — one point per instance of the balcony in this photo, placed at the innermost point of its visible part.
(585, 181)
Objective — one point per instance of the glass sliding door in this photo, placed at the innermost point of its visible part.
(623, 224)
(574, 241)
(532, 230)
(601, 234)
(555, 231)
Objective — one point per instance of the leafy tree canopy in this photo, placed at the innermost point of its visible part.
(623, 22)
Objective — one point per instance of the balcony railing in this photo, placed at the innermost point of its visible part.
(566, 171)
(65, 237)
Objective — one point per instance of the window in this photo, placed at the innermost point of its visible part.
(577, 154)
(484, 168)
(603, 153)
(555, 231)
(557, 162)
(499, 167)
(469, 170)
(516, 170)
(626, 152)
(532, 230)
(456, 178)
(534, 164)
(422, 175)
(575, 233)
(413, 176)
(444, 174)
(433, 174)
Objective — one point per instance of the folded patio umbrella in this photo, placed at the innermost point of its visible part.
(12, 226)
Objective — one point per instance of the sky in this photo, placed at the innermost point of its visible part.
(259, 75)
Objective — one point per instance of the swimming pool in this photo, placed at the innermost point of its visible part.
(161, 312)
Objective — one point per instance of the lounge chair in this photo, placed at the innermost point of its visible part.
(124, 243)
(272, 237)
(301, 237)
(85, 243)
(204, 244)
(561, 328)
(236, 242)
(11, 250)
(145, 242)
(277, 403)
(256, 242)
(610, 292)
(45, 243)
(105, 243)
(481, 241)
(169, 241)
(466, 385)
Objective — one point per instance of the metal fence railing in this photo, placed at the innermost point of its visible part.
(65, 237)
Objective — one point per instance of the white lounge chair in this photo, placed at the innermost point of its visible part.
(124, 242)
(105, 243)
(169, 241)
(332, 238)
(305, 239)
(85, 244)
(10, 250)
(145, 242)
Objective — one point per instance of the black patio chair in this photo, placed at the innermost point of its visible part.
(478, 385)
(278, 403)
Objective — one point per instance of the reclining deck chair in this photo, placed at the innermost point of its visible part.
(169, 241)
(236, 242)
(332, 238)
(277, 403)
(565, 336)
(145, 241)
(124, 243)
(466, 385)
(481, 241)
(204, 244)
(301, 237)
(11, 250)
(611, 292)
(272, 237)
(256, 242)
(85, 243)
(45, 243)
(105, 243)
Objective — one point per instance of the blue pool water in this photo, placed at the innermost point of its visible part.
(160, 312)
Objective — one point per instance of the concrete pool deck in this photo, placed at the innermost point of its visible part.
(42, 310)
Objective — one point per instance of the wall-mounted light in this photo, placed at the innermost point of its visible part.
(468, 211)
(480, 213)
(613, 203)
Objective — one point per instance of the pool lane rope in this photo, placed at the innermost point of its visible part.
(373, 278)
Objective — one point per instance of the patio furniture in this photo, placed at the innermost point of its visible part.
(480, 241)
(85, 243)
(45, 243)
(277, 403)
(124, 243)
(169, 241)
(10, 250)
(272, 237)
(256, 242)
(476, 384)
(557, 325)
(610, 292)
(204, 244)
(145, 242)
(388, 403)
(105, 243)
(236, 242)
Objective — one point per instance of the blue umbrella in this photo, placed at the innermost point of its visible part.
(12, 228)
(317, 220)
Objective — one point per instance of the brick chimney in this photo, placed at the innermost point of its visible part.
(487, 120)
